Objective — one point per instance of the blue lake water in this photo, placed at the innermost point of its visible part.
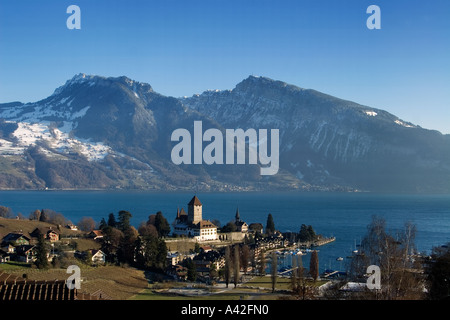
(343, 215)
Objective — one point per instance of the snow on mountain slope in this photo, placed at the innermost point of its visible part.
(122, 129)
(36, 128)
(53, 140)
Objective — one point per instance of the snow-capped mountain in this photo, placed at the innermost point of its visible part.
(98, 132)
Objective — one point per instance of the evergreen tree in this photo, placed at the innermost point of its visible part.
(438, 273)
(112, 220)
(41, 253)
(103, 224)
(311, 233)
(111, 243)
(191, 270)
(44, 216)
(213, 271)
(274, 270)
(124, 220)
(229, 227)
(314, 265)
(151, 252)
(306, 233)
(161, 224)
(127, 245)
(161, 255)
(270, 226)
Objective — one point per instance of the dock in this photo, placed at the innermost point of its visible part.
(316, 243)
(323, 241)
(330, 274)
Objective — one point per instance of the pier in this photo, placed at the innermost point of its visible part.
(330, 274)
(323, 241)
(316, 243)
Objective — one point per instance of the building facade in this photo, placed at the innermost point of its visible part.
(192, 225)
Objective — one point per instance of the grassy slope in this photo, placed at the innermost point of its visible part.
(27, 226)
(117, 282)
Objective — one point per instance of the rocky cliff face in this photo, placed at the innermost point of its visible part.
(97, 132)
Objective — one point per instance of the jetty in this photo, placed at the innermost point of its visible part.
(323, 241)
(316, 243)
(330, 274)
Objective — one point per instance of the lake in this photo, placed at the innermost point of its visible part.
(343, 215)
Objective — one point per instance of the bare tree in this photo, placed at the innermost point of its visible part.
(236, 267)
(5, 212)
(245, 255)
(86, 224)
(262, 263)
(393, 254)
(227, 269)
(274, 270)
(294, 274)
(35, 215)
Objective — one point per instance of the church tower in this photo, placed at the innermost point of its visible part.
(237, 216)
(194, 211)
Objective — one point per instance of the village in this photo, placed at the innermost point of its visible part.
(195, 250)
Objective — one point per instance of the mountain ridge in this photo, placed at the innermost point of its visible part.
(118, 131)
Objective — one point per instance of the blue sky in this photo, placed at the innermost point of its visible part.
(183, 47)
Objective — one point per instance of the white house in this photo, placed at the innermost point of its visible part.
(98, 257)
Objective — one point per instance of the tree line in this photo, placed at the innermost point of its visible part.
(144, 248)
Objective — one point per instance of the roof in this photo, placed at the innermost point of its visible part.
(240, 223)
(206, 224)
(181, 213)
(98, 233)
(13, 236)
(255, 225)
(95, 251)
(43, 230)
(195, 201)
(25, 248)
(18, 288)
(354, 286)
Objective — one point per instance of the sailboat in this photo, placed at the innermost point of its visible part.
(355, 251)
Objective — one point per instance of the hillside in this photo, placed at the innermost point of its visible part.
(95, 132)
(27, 226)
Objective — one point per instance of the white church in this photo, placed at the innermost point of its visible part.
(192, 224)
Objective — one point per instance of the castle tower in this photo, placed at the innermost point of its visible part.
(195, 211)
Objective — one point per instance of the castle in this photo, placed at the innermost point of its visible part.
(192, 223)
